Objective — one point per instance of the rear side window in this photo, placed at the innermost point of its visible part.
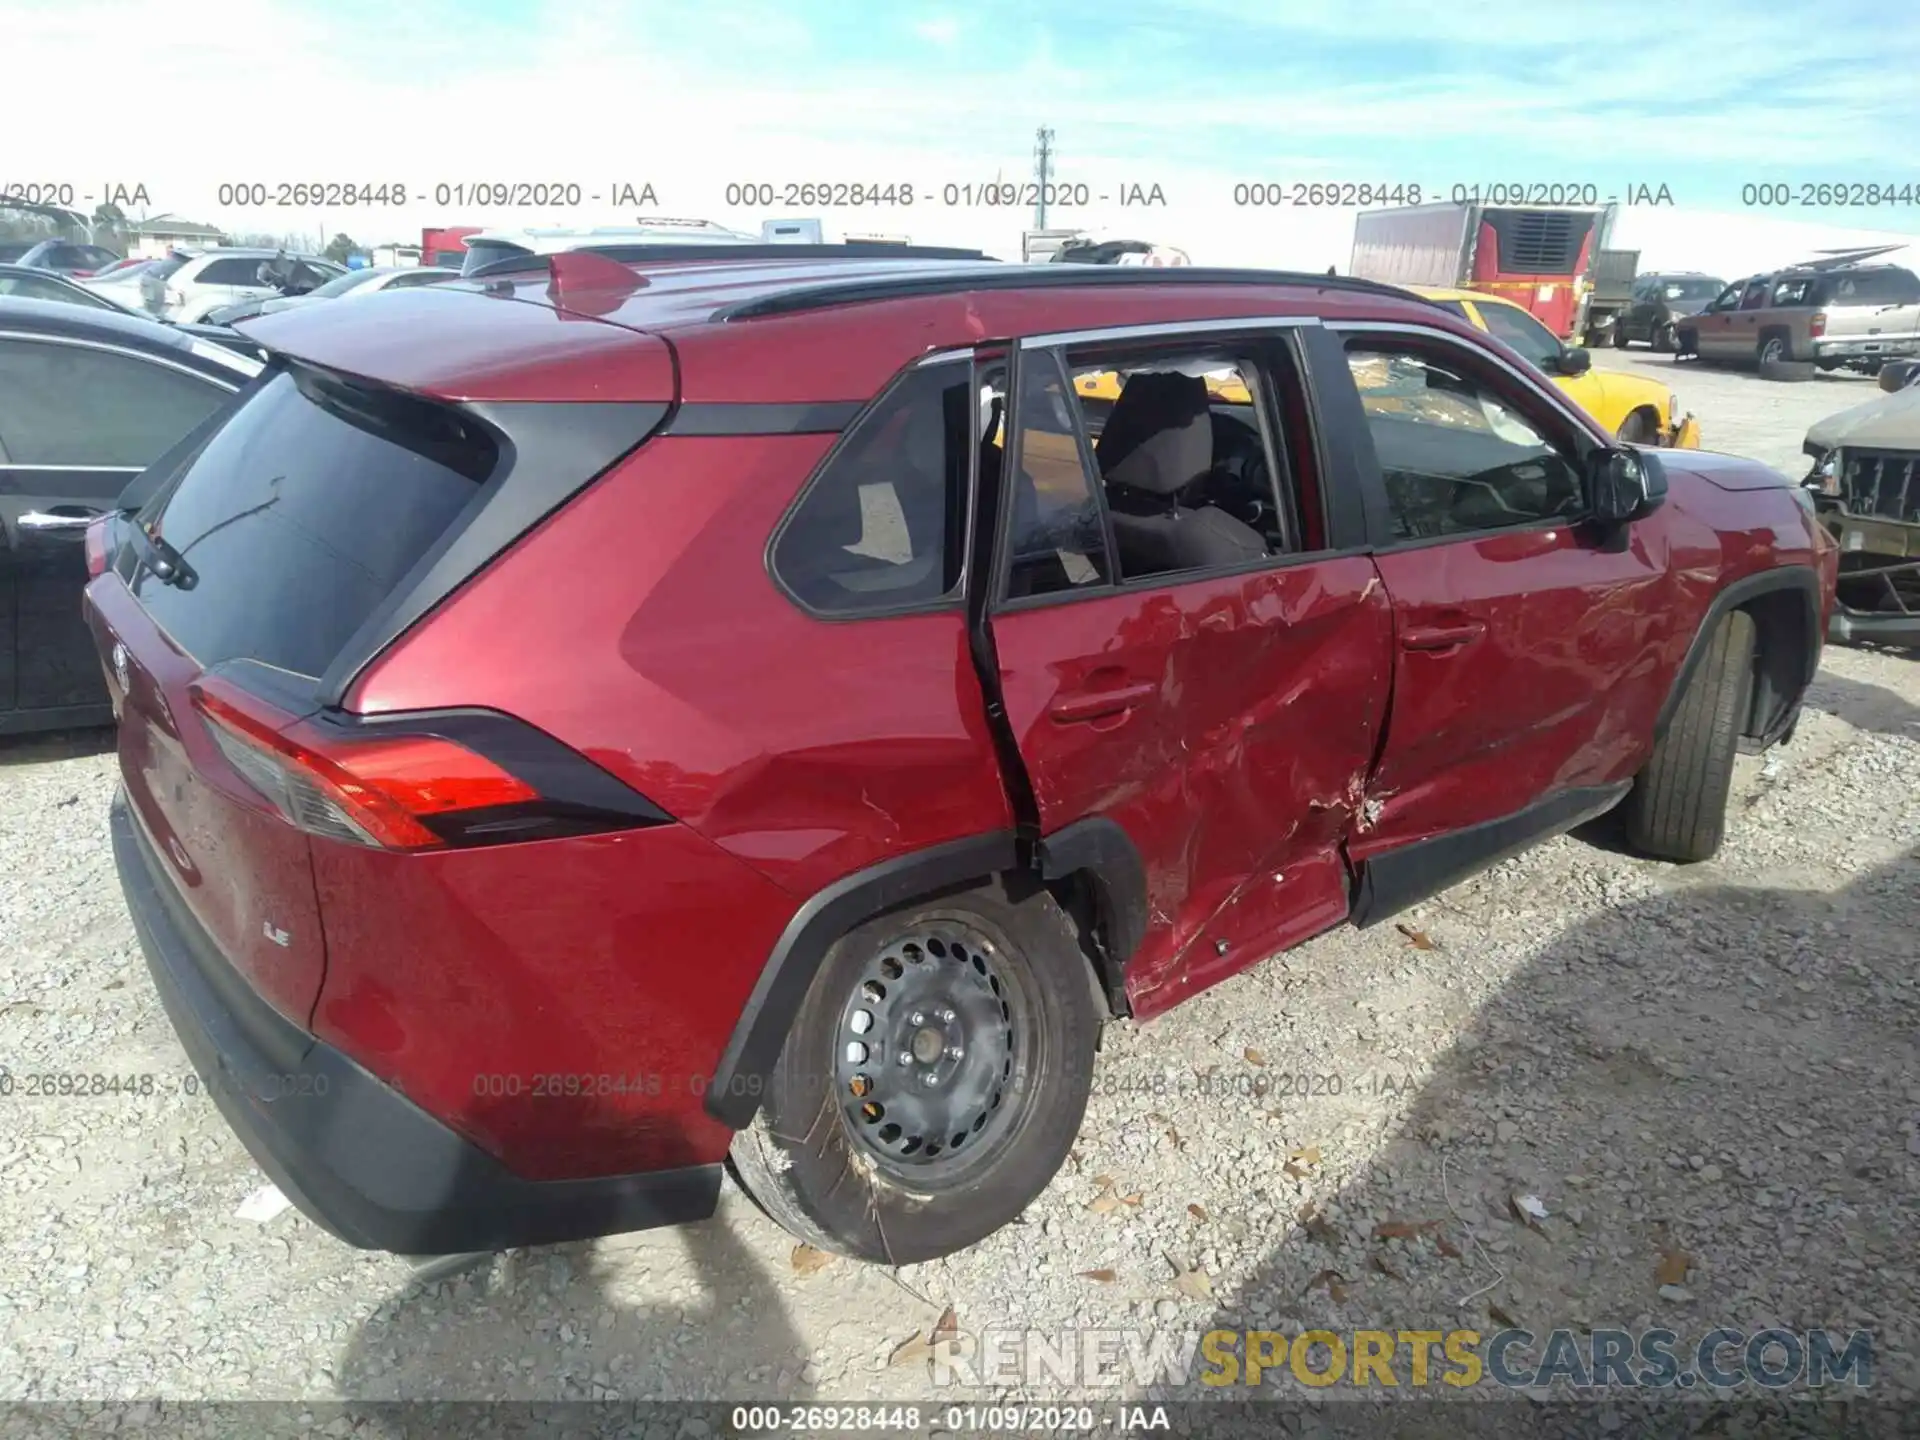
(71, 405)
(230, 271)
(883, 523)
(1872, 287)
(165, 269)
(302, 513)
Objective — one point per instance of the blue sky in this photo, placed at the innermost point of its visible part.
(1194, 95)
(1699, 96)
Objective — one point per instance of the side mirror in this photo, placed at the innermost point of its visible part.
(1622, 486)
(1574, 361)
(1898, 374)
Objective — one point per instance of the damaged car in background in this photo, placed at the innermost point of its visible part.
(1865, 484)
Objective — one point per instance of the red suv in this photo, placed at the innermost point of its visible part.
(588, 726)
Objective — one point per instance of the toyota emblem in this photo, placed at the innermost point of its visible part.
(120, 664)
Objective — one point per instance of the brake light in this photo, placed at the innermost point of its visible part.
(1817, 326)
(382, 792)
(95, 542)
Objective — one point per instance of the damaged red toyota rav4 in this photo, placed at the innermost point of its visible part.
(628, 716)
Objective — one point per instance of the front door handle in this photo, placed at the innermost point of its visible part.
(1093, 704)
(35, 520)
(1443, 637)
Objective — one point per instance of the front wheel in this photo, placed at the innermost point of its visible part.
(932, 1083)
(1677, 809)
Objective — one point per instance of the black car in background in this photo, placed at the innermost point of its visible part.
(88, 399)
(68, 257)
(1659, 301)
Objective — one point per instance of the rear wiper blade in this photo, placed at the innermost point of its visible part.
(162, 561)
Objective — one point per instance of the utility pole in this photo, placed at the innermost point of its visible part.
(1043, 166)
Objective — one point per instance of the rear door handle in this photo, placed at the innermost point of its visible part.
(1093, 704)
(1443, 637)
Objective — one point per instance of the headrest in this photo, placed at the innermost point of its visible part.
(1159, 436)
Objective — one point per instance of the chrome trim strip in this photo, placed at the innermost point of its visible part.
(1171, 328)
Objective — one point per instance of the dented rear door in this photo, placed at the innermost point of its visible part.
(1225, 721)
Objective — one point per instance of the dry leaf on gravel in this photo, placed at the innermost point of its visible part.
(1445, 1246)
(1301, 1162)
(1673, 1267)
(1254, 1057)
(806, 1259)
(1193, 1283)
(1501, 1317)
(1319, 1227)
(918, 1347)
(1199, 1212)
(1418, 938)
(1109, 1199)
(1331, 1281)
(912, 1350)
(1172, 1134)
(1381, 1265)
(1396, 1230)
(1105, 1277)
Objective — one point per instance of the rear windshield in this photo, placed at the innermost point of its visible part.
(302, 513)
(486, 252)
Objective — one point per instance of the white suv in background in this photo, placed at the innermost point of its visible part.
(184, 287)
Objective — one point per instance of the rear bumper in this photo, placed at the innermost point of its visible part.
(1884, 348)
(355, 1155)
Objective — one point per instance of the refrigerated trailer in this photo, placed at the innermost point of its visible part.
(1539, 256)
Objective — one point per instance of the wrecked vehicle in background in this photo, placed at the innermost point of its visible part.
(1866, 492)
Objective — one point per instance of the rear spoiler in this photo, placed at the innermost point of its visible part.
(1841, 259)
(667, 253)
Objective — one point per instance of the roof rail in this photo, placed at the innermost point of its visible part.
(1065, 276)
(694, 250)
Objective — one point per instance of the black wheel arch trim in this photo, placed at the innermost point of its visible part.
(739, 1080)
(1785, 700)
(1100, 848)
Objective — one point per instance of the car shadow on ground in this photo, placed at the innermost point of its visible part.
(1865, 706)
(526, 1343)
(50, 745)
(1674, 1124)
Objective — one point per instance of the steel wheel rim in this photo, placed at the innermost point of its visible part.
(926, 1052)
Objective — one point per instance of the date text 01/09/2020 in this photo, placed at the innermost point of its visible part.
(1259, 1084)
(375, 194)
(952, 195)
(1367, 194)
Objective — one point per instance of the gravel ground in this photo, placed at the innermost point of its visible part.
(1706, 1076)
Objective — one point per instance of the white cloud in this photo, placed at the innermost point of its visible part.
(943, 30)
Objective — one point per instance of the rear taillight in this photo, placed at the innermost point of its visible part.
(395, 792)
(96, 546)
(1817, 326)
